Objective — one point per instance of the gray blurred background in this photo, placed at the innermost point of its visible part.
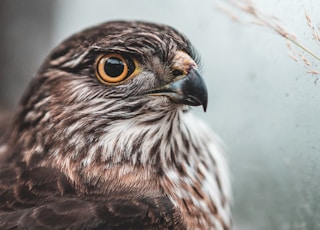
(264, 105)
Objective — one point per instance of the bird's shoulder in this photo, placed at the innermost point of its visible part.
(44, 198)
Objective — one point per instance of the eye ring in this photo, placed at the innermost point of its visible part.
(114, 69)
(111, 68)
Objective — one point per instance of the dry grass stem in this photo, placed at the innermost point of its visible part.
(258, 17)
(315, 34)
(313, 72)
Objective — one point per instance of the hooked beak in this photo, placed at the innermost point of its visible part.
(189, 90)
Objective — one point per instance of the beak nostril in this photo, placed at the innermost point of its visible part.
(177, 73)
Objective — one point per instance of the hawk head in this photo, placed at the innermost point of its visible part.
(106, 80)
(108, 109)
(126, 62)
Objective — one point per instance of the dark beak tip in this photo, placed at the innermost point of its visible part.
(204, 100)
(204, 103)
(197, 101)
(204, 106)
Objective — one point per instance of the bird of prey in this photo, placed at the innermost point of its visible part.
(103, 138)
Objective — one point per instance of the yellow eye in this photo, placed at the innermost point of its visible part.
(114, 68)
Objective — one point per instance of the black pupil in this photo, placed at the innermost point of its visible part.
(114, 67)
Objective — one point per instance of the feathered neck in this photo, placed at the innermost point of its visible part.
(153, 153)
(153, 139)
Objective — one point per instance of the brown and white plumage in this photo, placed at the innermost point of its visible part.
(82, 153)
